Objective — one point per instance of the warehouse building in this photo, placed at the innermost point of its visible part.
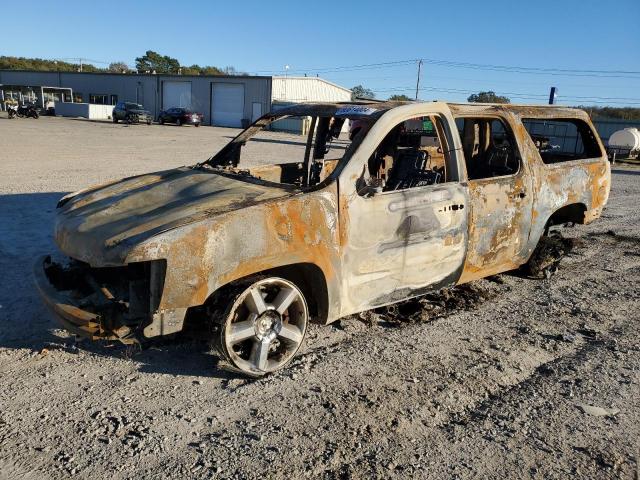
(228, 101)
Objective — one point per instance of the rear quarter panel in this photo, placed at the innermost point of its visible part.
(584, 182)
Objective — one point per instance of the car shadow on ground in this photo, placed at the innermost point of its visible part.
(180, 355)
(26, 232)
(625, 172)
(121, 123)
(90, 120)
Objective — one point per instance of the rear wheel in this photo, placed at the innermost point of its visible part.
(263, 327)
(196, 124)
(548, 254)
(179, 122)
(161, 120)
(115, 119)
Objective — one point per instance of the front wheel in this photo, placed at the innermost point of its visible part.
(179, 122)
(196, 124)
(115, 119)
(263, 326)
(35, 114)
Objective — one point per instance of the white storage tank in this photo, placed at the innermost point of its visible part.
(628, 139)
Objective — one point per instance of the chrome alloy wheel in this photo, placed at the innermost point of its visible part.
(265, 326)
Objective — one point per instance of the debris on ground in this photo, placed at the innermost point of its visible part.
(598, 411)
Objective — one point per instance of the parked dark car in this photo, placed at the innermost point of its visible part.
(180, 116)
(131, 113)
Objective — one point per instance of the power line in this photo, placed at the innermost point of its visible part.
(541, 95)
(541, 70)
(598, 73)
(521, 95)
(473, 66)
(409, 75)
(85, 60)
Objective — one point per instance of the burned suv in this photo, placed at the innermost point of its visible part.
(425, 196)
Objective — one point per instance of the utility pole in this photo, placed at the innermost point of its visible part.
(553, 94)
(418, 80)
(286, 71)
(80, 64)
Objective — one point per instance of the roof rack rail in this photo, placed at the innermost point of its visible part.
(362, 100)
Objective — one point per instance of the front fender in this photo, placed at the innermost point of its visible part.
(204, 256)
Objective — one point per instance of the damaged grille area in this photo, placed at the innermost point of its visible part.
(117, 302)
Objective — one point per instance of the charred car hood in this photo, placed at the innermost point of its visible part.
(91, 224)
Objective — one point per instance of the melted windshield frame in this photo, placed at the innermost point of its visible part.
(326, 123)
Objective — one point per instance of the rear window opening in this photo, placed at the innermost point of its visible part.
(562, 140)
(489, 147)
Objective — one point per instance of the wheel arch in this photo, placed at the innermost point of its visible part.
(308, 277)
(571, 213)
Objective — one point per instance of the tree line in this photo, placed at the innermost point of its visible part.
(44, 65)
(150, 62)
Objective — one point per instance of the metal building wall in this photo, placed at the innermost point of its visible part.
(307, 89)
(145, 88)
(606, 127)
(133, 88)
(256, 89)
(19, 77)
(289, 90)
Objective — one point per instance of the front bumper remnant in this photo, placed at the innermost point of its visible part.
(97, 321)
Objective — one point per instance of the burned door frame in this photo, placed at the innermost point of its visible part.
(399, 244)
(500, 213)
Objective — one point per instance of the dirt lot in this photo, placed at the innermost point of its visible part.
(494, 380)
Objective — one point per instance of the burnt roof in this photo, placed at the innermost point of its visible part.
(379, 107)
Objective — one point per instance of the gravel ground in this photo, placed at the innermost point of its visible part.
(498, 379)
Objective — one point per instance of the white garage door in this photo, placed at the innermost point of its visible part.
(176, 94)
(227, 104)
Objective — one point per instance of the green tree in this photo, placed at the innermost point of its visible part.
(43, 65)
(361, 92)
(400, 98)
(621, 113)
(210, 71)
(192, 70)
(118, 67)
(487, 97)
(196, 69)
(152, 61)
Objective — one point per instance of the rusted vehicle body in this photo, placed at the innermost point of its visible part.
(427, 195)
